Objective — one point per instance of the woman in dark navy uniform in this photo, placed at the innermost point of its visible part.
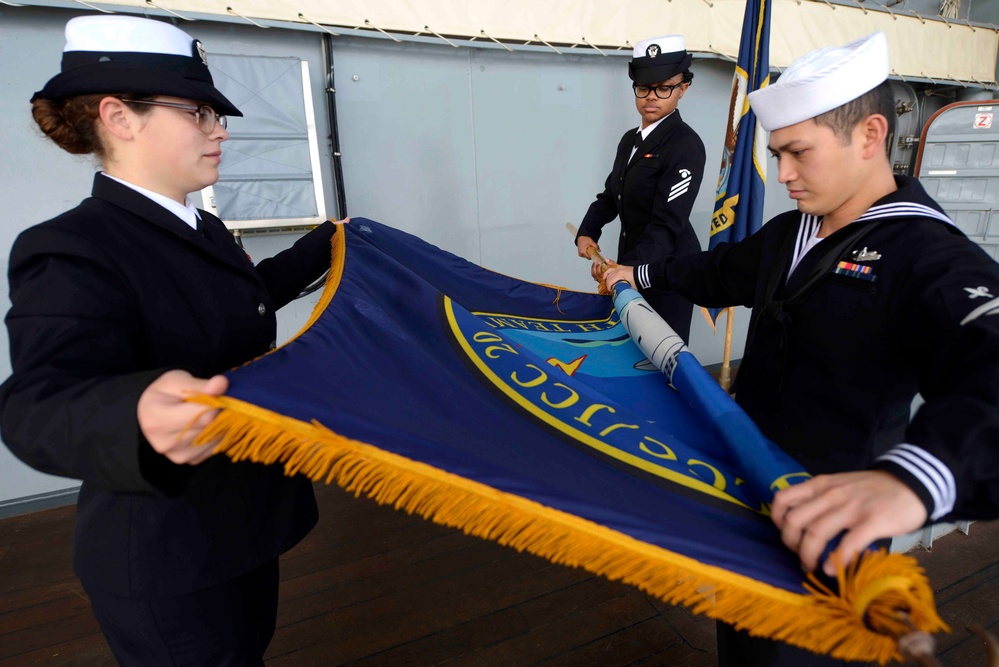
(656, 175)
(123, 306)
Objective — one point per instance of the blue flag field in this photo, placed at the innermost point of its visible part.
(742, 178)
(526, 414)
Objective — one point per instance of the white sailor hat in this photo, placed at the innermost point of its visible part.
(658, 59)
(822, 80)
(127, 54)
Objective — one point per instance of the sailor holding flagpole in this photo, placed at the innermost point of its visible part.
(862, 297)
(656, 175)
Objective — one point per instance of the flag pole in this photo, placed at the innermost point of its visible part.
(725, 378)
(738, 210)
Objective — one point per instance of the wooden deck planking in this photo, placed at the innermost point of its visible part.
(373, 587)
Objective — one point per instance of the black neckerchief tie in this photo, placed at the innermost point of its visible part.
(784, 296)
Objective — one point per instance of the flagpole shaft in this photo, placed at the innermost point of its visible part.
(725, 379)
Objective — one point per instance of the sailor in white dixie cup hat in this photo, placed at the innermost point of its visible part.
(864, 296)
(121, 308)
(821, 81)
(832, 88)
(655, 176)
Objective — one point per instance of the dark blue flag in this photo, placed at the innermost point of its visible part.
(742, 178)
(525, 414)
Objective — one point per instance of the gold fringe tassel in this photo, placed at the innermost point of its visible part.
(862, 622)
(881, 597)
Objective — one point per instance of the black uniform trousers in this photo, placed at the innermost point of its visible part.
(229, 625)
(737, 649)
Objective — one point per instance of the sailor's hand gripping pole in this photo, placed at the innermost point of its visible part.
(595, 255)
(591, 251)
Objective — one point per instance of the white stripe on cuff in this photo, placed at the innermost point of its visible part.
(933, 462)
(642, 276)
(930, 471)
(939, 490)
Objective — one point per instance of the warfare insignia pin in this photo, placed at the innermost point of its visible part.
(652, 51)
(865, 255)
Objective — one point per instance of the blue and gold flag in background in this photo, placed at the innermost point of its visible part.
(742, 178)
(525, 414)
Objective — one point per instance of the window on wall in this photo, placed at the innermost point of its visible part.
(270, 174)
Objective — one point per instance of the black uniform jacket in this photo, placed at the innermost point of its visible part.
(105, 298)
(829, 373)
(653, 194)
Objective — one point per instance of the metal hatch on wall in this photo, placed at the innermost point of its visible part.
(904, 140)
(958, 164)
(270, 177)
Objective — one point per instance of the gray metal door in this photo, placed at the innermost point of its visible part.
(959, 167)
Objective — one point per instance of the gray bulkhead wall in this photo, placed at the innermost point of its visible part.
(483, 152)
(488, 153)
(37, 181)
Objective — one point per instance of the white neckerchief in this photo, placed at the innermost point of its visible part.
(647, 131)
(186, 211)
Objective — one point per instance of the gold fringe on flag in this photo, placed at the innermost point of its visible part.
(880, 597)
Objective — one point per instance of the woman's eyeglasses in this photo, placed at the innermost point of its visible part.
(663, 91)
(205, 114)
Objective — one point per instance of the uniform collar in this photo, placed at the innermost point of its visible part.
(215, 241)
(909, 200)
(652, 128)
(186, 211)
(129, 199)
